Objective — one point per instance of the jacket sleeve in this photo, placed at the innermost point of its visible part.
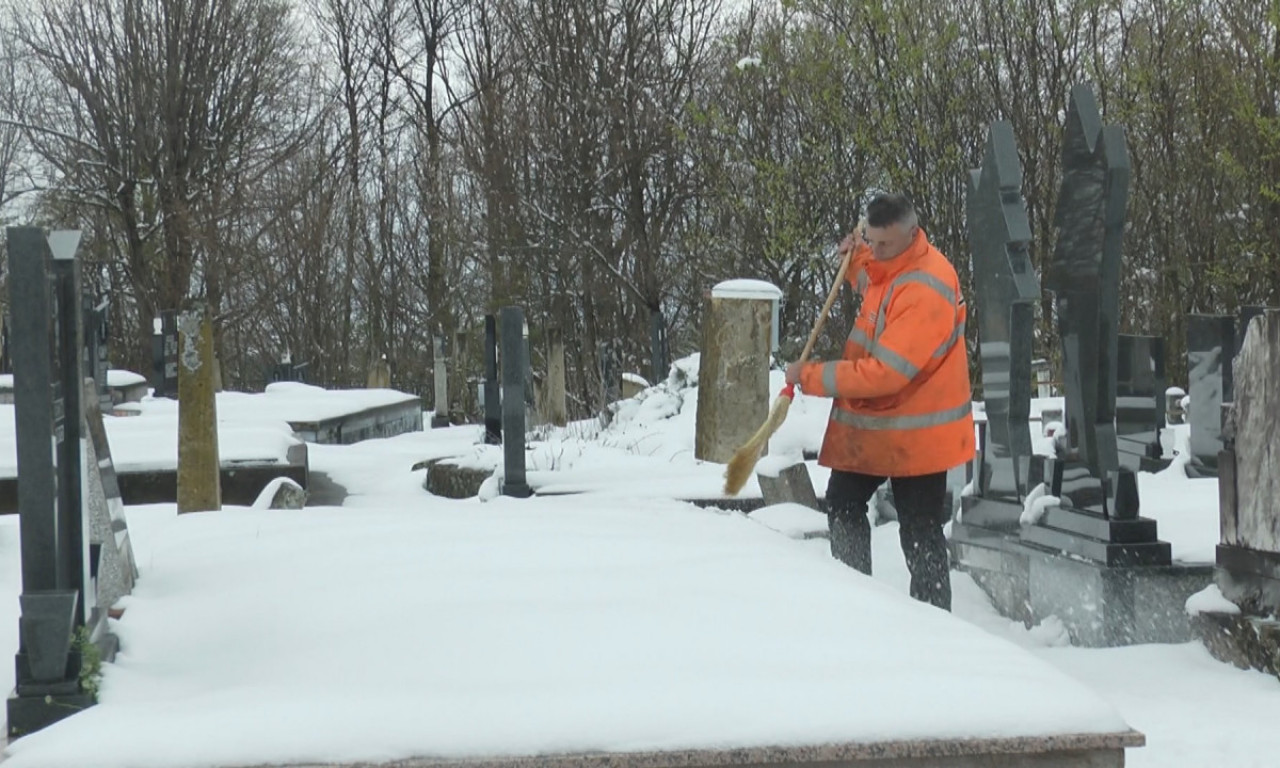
(922, 324)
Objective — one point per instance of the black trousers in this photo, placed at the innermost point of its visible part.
(921, 504)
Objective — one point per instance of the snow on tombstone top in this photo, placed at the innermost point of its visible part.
(744, 288)
(748, 61)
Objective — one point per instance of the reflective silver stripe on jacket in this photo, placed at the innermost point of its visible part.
(915, 276)
(829, 379)
(914, 421)
(946, 346)
(885, 355)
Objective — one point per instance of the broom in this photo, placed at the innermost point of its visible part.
(744, 460)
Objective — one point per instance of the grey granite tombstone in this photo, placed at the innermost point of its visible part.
(115, 568)
(513, 405)
(1140, 392)
(492, 400)
(1211, 342)
(48, 384)
(1007, 290)
(440, 417)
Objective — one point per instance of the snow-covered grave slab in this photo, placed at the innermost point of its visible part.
(342, 416)
(567, 631)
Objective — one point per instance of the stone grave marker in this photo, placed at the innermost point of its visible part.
(57, 594)
(660, 354)
(733, 376)
(1140, 408)
(492, 400)
(441, 375)
(1007, 287)
(164, 346)
(1211, 341)
(199, 469)
(514, 367)
(115, 569)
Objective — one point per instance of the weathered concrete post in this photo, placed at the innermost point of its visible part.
(199, 480)
(441, 374)
(513, 405)
(733, 376)
(379, 374)
(554, 408)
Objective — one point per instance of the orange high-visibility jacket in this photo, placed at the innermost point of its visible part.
(902, 401)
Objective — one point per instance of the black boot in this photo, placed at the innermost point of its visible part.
(851, 538)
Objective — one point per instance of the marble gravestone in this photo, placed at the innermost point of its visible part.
(113, 567)
(1007, 289)
(1249, 483)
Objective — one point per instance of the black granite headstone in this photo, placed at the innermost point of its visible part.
(1097, 516)
(164, 347)
(96, 358)
(660, 355)
(1140, 386)
(1007, 290)
(48, 381)
(492, 402)
(513, 406)
(1211, 345)
(5, 366)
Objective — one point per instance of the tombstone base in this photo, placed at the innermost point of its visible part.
(1250, 578)
(30, 713)
(1105, 541)
(439, 421)
(516, 490)
(452, 481)
(1101, 605)
(791, 485)
(1248, 642)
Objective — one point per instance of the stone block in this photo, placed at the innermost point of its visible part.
(792, 485)
(733, 376)
(1257, 462)
(454, 482)
(288, 495)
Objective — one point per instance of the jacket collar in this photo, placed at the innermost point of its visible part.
(882, 271)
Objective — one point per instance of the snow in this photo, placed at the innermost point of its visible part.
(635, 378)
(117, 378)
(748, 61)
(620, 618)
(1037, 503)
(1210, 600)
(746, 289)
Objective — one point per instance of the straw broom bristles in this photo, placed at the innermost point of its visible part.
(745, 458)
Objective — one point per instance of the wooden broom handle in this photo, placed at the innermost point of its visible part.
(826, 308)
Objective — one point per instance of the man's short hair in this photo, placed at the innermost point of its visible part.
(886, 210)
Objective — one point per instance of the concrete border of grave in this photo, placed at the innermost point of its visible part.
(380, 421)
(1064, 751)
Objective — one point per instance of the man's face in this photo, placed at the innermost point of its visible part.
(888, 242)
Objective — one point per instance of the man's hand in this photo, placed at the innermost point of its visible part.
(793, 373)
(853, 239)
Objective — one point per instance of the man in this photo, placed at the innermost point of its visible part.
(902, 406)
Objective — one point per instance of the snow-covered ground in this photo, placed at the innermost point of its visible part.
(615, 619)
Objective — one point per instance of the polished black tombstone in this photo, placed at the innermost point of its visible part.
(492, 402)
(5, 367)
(1007, 289)
(1211, 346)
(164, 349)
(1140, 386)
(660, 353)
(96, 359)
(514, 375)
(1097, 517)
(48, 381)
